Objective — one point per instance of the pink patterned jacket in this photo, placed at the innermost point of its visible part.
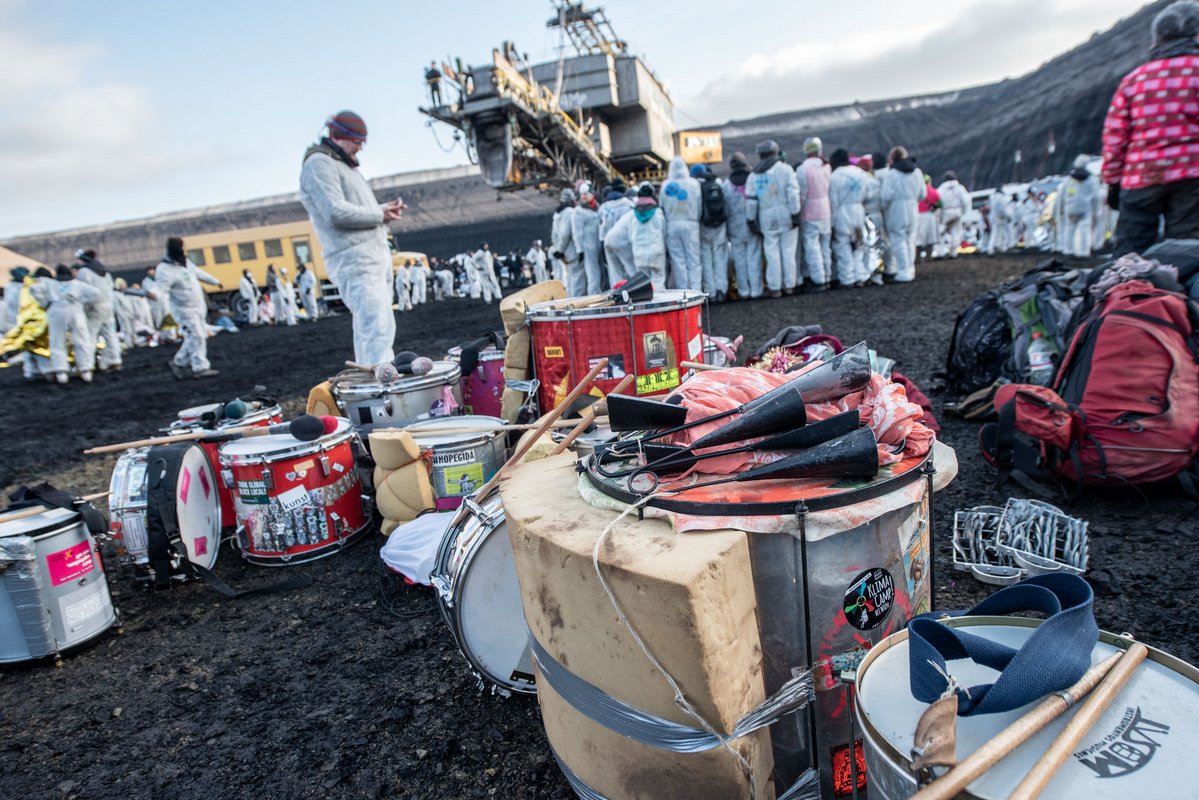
(1151, 133)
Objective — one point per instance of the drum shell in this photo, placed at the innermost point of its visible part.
(483, 611)
(272, 473)
(57, 600)
(1137, 748)
(483, 387)
(648, 340)
(462, 465)
(585, 444)
(411, 398)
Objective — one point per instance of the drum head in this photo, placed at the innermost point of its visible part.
(1139, 747)
(279, 444)
(428, 437)
(198, 508)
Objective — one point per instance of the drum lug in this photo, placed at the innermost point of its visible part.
(478, 510)
(387, 407)
(442, 585)
(324, 464)
(266, 478)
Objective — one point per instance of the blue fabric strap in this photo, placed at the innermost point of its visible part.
(1053, 658)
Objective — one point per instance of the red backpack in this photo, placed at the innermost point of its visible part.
(1124, 407)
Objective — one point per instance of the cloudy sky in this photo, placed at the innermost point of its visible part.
(126, 108)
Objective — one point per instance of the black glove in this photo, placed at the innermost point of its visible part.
(795, 220)
(558, 254)
(1113, 197)
(753, 227)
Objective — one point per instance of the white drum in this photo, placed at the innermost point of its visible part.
(475, 578)
(462, 461)
(53, 591)
(1140, 747)
(186, 468)
(411, 398)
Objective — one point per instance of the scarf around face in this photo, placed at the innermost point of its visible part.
(766, 163)
(331, 149)
(1172, 48)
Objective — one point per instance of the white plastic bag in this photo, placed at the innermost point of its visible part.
(411, 549)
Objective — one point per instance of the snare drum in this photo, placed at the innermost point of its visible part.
(192, 419)
(1139, 747)
(186, 469)
(462, 462)
(475, 578)
(643, 339)
(53, 591)
(482, 387)
(295, 501)
(411, 398)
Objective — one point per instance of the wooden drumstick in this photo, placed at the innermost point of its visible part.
(549, 420)
(362, 367)
(589, 418)
(418, 431)
(1052, 760)
(989, 754)
(698, 366)
(33, 512)
(240, 432)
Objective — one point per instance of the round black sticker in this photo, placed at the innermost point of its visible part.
(869, 598)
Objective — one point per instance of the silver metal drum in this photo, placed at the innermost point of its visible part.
(53, 591)
(1140, 747)
(462, 461)
(411, 398)
(585, 444)
(475, 578)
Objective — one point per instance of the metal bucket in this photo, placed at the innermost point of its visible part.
(462, 461)
(411, 398)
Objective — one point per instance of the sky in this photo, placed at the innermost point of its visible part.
(127, 108)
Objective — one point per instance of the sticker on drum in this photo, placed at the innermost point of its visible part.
(479, 596)
(197, 503)
(461, 461)
(296, 501)
(1138, 748)
(437, 393)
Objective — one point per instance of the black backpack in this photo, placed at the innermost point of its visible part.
(714, 213)
(981, 343)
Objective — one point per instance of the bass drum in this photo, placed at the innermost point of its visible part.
(475, 578)
(186, 469)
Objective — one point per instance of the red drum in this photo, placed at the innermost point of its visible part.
(296, 501)
(192, 419)
(644, 339)
(483, 387)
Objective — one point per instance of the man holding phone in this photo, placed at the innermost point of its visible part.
(352, 228)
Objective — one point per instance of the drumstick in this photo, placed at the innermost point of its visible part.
(698, 366)
(241, 431)
(589, 418)
(549, 420)
(32, 512)
(418, 430)
(1051, 761)
(1014, 735)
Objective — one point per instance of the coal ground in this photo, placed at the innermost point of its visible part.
(324, 692)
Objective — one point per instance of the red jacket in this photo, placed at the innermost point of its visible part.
(1151, 134)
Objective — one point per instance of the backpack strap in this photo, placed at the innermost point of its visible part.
(1053, 658)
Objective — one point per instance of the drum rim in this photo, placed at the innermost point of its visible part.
(877, 488)
(47, 528)
(323, 444)
(412, 383)
(871, 734)
(472, 439)
(488, 353)
(666, 300)
(257, 415)
(453, 614)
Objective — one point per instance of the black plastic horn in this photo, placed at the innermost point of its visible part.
(848, 371)
(627, 413)
(854, 455)
(637, 289)
(674, 459)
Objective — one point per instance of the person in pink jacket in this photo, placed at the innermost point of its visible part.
(1151, 137)
(815, 214)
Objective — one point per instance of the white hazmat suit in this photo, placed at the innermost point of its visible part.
(584, 230)
(618, 250)
(181, 284)
(101, 315)
(847, 197)
(745, 246)
(681, 205)
(66, 316)
(955, 204)
(772, 201)
(307, 283)
(902, 190)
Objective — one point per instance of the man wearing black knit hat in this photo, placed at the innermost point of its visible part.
(352, 228)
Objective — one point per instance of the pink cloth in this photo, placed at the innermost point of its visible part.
(1151, 133)
(882, 405)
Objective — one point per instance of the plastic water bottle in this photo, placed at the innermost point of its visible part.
(1041, 352)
